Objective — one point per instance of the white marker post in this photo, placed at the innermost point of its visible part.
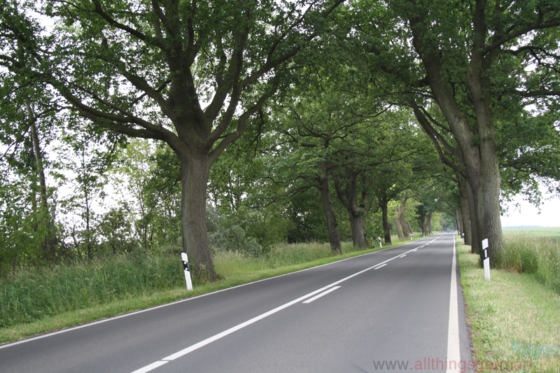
(185, 260)
(380, 244)
(463, 238)
(411, 236)
(486, 260)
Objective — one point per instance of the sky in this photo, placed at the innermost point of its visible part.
(529, 215)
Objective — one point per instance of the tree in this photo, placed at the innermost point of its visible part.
(484, 64)
(116, 229)
(21, 237)
(325, 131)
(87, 155)
(146, 69)
(474, 60)
(412, 171)
(27, 114)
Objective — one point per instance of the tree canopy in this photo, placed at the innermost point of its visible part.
(245, 110)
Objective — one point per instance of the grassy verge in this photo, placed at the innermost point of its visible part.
(49, 300)
(515, 319)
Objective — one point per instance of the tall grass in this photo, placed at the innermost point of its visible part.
(33, 294)
(282, 255)
(29, 295)
(537, 255)
(232, 264)
(291, 254)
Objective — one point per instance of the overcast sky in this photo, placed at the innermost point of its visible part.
(529, 215)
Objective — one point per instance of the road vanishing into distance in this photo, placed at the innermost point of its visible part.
(396, 310)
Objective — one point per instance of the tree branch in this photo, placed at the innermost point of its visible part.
(512, 35)
(99, 10)
(241, 123)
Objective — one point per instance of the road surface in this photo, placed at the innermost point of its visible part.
(400, 309)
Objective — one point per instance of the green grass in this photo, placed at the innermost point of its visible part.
(38, 301)
(533, 232)
(30, 295)
(535, 255)
(513, 309)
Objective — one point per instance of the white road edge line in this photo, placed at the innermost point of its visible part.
(152, 366)
(321, 295)
(379, 267)
(453, 350)
(6, 345)
(262, 316)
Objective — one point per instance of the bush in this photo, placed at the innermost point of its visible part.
(234, 239)
(224, 235)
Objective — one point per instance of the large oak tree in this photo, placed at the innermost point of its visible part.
(189, 73)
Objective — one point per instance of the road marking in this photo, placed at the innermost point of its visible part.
(402, 256)
(453, 351)
(262, 316)
(240, 326)
(322, 294)
(376, 268)
(152, 366)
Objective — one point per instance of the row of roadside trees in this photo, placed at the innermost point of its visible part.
(322, 92)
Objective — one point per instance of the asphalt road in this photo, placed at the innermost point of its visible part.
(389, 307)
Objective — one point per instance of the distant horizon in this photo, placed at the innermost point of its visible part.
(527, 226)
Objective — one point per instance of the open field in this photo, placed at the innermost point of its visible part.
(533, 232)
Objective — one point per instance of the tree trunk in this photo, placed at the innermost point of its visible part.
(404, 226)
(349, 198)
(429, 223)
(459, 215)
(422, 219)
(332, 224)
(465, 210)
(76, 243)
(50, 240)
(476, 242)
(398, 227)
(88, 231)
(358, 230)
(405, 230)
(490, 204)
(409, 228)
(385, 220)
(194, 180)
(479, 86)
(423, 225)
(478, 210)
